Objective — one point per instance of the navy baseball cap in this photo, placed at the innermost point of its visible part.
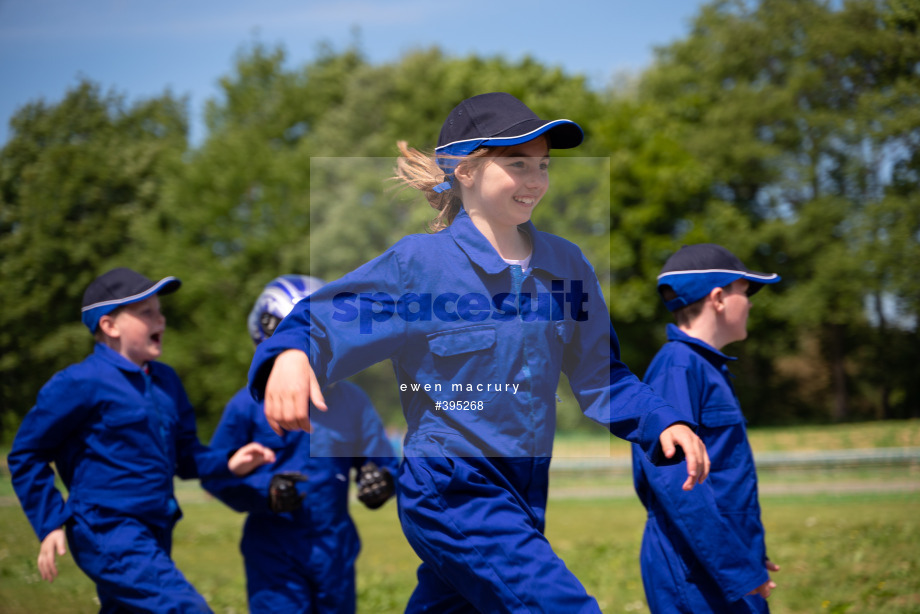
(498, 119)
(118, 287)
(694, 270)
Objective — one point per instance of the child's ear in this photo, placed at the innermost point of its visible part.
(464, 174)
(717, 296)
(108, 326)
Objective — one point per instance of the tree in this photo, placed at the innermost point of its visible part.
(799, 111)
(74, 176)
(235, 215)
(292, 178)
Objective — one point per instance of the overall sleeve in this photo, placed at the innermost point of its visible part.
(734, 565)
(327, 325)
(194, 459)
(236, 429)
(60, 410)
(606, 390)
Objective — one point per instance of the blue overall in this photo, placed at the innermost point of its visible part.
(302, 561)
(703, 550)
(117, 437)
(477, 346)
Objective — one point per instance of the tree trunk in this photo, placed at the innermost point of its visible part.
(837, 353)
(883, 410)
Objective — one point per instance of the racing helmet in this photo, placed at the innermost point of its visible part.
(276, 301)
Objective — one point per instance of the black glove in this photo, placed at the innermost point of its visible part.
(375, 485)
(282, 492)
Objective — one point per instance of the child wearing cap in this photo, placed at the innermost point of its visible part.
(479, 319)
(117, 427)
(715, 531)
(299, 543)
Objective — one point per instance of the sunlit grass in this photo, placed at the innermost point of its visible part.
(854, 553)
(857, 554)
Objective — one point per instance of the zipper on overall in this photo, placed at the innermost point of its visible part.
(517, 283)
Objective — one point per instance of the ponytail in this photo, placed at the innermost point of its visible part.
(420, 171)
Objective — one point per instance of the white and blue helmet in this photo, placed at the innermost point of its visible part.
(276, 301)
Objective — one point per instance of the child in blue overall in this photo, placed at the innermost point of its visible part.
(704, 551)
(118, 426)
(299, 543)
(478, 319)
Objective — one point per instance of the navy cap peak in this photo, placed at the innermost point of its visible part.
(499, 119)
(120, 286)
(694, 271)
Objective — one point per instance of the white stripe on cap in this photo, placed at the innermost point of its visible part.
(151, 290)
(543, 128)
(700, 271)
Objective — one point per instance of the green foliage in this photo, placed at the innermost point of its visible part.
(844, 553)
(74, 177)
(294, 178)
(786, 130)
(801, 119)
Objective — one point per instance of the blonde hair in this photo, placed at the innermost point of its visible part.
(420, 171)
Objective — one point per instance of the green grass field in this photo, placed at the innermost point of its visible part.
(855, 551)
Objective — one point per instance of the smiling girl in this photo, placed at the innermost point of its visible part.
(472, 488)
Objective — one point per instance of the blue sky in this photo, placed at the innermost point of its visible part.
(139, 49)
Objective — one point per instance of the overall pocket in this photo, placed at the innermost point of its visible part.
(464, 362)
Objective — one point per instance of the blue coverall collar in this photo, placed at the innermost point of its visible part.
(480, 251)
(676, 334)
(114, 358)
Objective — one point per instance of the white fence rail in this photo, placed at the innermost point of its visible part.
(769, 460)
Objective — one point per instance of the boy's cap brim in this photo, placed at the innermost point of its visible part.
(121, 286)
(498, 119)
(695, 270)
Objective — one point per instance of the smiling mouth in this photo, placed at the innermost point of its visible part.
(530, 201)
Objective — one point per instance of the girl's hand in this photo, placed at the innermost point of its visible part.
(250, 457)
(694, 451)
(54, 544)
(291, 388)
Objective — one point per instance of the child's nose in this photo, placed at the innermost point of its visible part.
(536, 178)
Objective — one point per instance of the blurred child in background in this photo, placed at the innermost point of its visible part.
(299, 543)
